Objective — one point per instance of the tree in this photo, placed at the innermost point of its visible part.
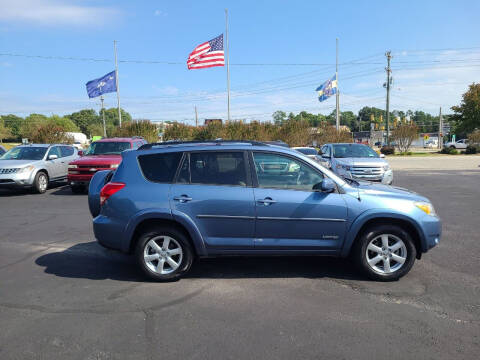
(84, 118)
(64, 122)
(404, 135)
(14, 124)
(279, 117)
(5, 132)
(49, 133)
(467, 114)
(329, 134)
(111, 116)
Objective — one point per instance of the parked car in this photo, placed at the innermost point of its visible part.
(103, 154)
(311, 152)
(430, 144)
(2, 150)
(357, 161)
(460, 144)
(169, 203)
(35, 165)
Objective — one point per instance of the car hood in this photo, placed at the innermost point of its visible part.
(366, 188)
(361, 161)
(98, 160)
(5, 164)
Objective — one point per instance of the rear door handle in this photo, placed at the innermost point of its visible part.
(267, 201)
(183, 198)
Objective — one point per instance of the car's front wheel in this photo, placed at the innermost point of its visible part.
(164, 254)
(385, 252)
(40, 183)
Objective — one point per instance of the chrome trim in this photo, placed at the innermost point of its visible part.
(225, 217)
(299, 219)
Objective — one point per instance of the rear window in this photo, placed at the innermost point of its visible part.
(307, 151)
(160, 167)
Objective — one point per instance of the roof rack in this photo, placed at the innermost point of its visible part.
(216, 142)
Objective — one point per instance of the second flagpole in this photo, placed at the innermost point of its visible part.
(228, 65)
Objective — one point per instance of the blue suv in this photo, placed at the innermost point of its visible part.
(168, 203)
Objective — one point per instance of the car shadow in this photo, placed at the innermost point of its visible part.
(91, 261)
(22, 192)
(65, 190)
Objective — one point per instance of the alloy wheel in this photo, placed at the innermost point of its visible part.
(163, 254)
(386, 253)
(42, 182)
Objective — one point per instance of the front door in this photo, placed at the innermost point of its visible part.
(54, 167)
(290, 215)
(213, 190)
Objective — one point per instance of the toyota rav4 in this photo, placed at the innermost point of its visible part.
(168, 203)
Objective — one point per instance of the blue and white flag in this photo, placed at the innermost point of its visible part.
(327, 89)
(103, 85)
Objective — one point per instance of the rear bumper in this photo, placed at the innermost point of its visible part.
(109, 233)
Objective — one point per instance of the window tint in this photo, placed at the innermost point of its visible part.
(66, 151)
(218, 168)
(184, 174)
(326, 151)
(55, 151)
(160, 167)
(282, 172)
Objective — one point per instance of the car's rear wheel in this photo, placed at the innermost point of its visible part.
(452, 147)
(40, 183)
(164, 254)
(385, 252)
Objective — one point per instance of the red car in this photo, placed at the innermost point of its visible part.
(101, 155)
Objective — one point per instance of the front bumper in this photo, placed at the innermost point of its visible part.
(79, 180)
(17, 181)
(385, 178)
(432, 231)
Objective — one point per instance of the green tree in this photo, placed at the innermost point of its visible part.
(64, 122)
(111, 116)
(84, 118)
(467, 115)
(14, 124)
(279, 117)
(5, 132)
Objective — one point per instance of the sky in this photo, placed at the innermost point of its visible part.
(280, 51)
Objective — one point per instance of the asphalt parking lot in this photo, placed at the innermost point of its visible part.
(63, 296)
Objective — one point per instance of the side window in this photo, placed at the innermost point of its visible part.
(184, 174)
(55, 150)
(160, 167)
(326, 151)
(218, 168)
(66, 151)
(283, 172)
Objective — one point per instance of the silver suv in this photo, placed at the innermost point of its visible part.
(35, 165)
(357, 161)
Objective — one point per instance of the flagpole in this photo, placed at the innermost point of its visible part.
(228, 65)
(103, 115)
(116, 83)
(337, 122)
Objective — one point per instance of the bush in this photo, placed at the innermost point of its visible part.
(471, 149)
(143, 128)
(387, 150)
(51, 134)
(449, 151)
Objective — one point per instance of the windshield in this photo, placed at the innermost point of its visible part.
(107, 148)
(353, 151)
(25, 153)
(308, 151)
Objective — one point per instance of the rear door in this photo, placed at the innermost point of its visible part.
(214, 190)
(68, 155)
(290, 214)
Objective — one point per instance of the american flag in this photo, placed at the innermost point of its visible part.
(208, 54)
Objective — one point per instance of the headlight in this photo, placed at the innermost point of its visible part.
(426, 207)
(386, 167)
(114, 166)
(72, 166)
(26, 169)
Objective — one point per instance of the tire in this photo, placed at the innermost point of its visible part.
(401, 248)
(177, 244)
(452, 147)
(77, 189)
(40, 184)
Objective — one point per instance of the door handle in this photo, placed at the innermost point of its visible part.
(267, 201)
(183, 198)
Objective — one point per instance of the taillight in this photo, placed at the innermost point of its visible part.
(109, 189)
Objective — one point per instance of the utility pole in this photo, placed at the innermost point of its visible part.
(103, 115)
(116, 83)
(228, 65)
(440, 129)
(337, 119)
(196, 116)
(388, 54)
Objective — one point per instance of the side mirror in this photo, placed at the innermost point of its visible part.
(80, 152)
(52, 157)
(382, 156)
(326, 186)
